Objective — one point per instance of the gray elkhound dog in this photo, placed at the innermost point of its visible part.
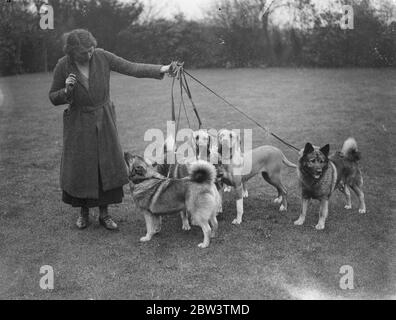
(320, 174)
(156, 195)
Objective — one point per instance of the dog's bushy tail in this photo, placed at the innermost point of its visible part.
(350, 150)
(202, 171)
(287, 162)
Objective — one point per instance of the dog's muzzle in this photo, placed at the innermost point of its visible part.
(317, 174)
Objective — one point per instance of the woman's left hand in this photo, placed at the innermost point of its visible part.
(165, 69)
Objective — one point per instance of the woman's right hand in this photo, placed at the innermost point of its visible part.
(70, 82)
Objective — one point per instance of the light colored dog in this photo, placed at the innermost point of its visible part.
(180, 169)
(204, 144)
(266, 160)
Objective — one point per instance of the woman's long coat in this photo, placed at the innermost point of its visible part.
(90, 138)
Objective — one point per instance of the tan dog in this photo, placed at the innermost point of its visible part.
(156, 195)
(204, 144)
(266, 160)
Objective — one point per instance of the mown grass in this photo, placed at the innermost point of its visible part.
(266, 257)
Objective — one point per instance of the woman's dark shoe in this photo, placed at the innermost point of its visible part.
(108, 223)
(83, 219)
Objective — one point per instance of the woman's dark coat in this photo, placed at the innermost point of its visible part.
(90, 138)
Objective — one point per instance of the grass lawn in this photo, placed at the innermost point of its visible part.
(266, 257)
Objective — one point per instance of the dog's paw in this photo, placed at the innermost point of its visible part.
(362, 210)
(282, 208)
(145, 239)
(186, 227)
(203, 245)
(319, 226)
(245, 194)
(278, 200)
(348, 207)
(236, 221)
(299, 222)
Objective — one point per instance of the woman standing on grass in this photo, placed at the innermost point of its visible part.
(92, 169)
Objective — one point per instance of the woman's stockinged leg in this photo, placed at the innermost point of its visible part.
(83, 219)
(105, 219)
(103, 211)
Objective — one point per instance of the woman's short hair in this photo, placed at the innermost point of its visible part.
(78, 39)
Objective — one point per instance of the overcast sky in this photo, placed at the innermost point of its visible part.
(194, 9)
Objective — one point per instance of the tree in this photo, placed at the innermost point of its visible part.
(369, 44)
(105, 19)
(17, 27)
(246, 24)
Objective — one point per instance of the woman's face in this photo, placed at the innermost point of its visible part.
(83, 55)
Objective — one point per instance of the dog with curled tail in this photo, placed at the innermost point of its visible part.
(320, 174)
(156, 195)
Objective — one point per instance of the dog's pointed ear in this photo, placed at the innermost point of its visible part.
(308, 148)
(126, 157)
(325, 150)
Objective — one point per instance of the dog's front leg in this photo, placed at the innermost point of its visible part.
(157, 223)
(301, 219)
(347, 193)
(150, 227)
(239, 205)
(220, 201)
(219, 197)
(323, 212)
(245, 192)
(185, 223)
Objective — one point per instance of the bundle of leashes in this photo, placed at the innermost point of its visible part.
(177, 72)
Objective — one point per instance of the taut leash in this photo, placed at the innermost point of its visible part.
(243, 113)
(178, 72)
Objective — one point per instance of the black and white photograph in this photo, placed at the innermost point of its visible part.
(218, 152)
